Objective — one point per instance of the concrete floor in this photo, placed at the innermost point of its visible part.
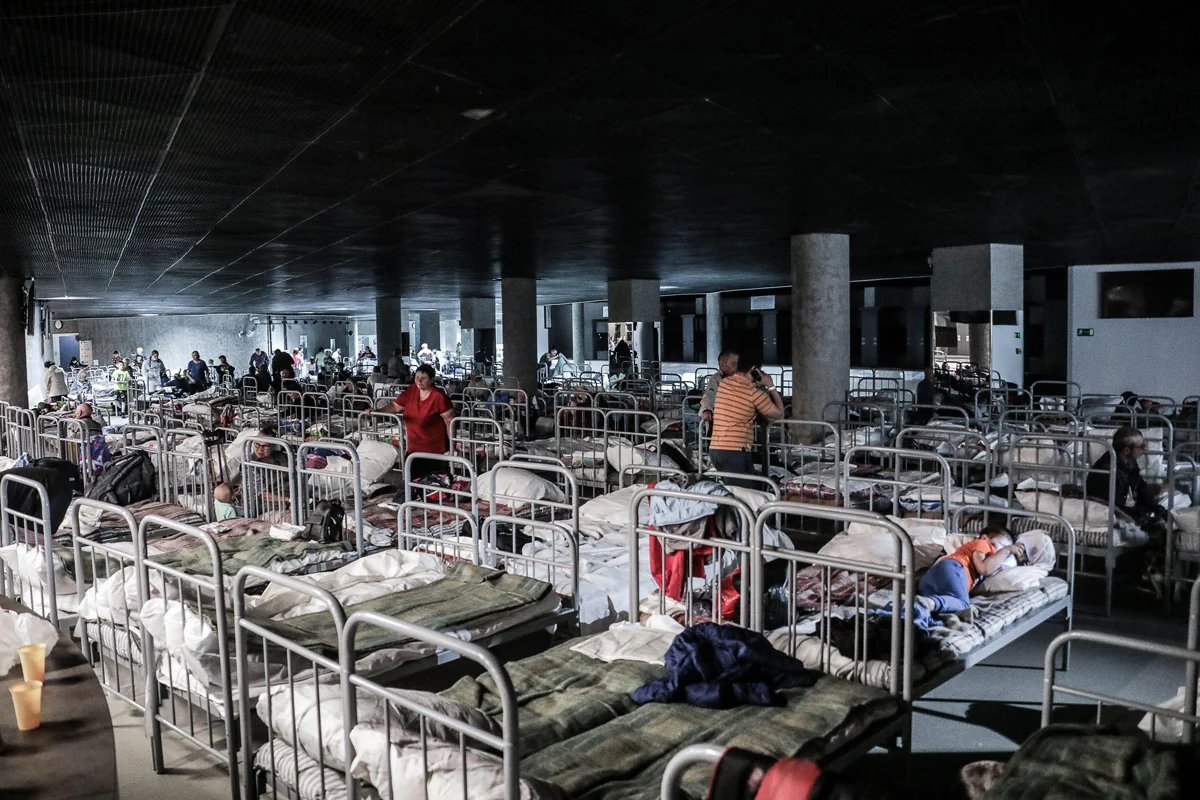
(983, 713)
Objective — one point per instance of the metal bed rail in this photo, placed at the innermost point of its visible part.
(177, 700)
(267, 486)
(1054, 686)
(455, 469)
(897, 575)
(317, 485)
(480, 440)
(1045, 463)
(115, 644)
(27, 524)
(905, 472)
(189, 477)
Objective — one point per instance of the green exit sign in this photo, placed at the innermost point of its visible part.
(1085, 331)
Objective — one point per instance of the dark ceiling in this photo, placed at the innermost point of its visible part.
(288, 155)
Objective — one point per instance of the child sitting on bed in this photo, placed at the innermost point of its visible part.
(946, 587)
(223, 502)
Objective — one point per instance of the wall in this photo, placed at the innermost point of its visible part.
(1148, 356)
(175, 337)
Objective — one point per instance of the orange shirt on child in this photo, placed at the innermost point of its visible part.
(963, 555)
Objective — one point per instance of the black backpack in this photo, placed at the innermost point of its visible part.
(130, 479)
(326, 522)
(24, 499)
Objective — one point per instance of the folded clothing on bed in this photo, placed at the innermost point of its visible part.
(252, 550)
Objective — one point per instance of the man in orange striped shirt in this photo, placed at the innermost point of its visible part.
(740, 398)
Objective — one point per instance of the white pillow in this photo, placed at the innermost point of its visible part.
(1165, 729)
(625, 455)
(376, 458)
(511, 482)
(1013, 579)
(866, 542)
(611, 508)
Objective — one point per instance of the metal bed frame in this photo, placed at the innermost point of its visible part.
(960, 448)
(357, 687)
(895, 483)
(842, 415)
(315, 485)
(304, 666)
(1073, 467)
(1189, 654)
(181, 705)
(438, 497)
(480, 440)
(788, 448)
(1177, 557)
(31, 530)
(115, 647)
(269, 479)
(20, 426)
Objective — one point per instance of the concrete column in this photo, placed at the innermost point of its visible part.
(518, 297)
(820, 322)
(543, 333)
(770, 329)
(14, 383)
(985, 279)
(688, 338)
(712, 327)
(645, 341)
(389, 326)
(579, 335)
(981, 345)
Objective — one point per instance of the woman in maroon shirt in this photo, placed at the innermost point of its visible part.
(427, 411)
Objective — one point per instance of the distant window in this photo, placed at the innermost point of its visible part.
(1147, 293)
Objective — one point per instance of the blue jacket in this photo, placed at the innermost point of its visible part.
(723, 666)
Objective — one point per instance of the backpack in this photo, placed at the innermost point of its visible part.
(68, 470)
(325, 523)
(131, 478)
(25, 500)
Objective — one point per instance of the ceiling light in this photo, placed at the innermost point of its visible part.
(70, 297)
(478, 113)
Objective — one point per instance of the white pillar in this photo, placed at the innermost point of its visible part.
(712, 327)
(579, 338)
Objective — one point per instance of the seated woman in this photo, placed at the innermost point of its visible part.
(946, 587)
(427, 411)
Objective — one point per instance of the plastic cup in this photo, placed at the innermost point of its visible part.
(27, 702)
(33, 661)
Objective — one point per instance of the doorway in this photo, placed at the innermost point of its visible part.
(66, 345)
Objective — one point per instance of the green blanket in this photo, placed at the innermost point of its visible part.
(241, 551)
(625, 758)
(560, 693)
(1079, 761)
(581, 732)
(466, 593)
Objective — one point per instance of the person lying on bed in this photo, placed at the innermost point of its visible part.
(946, 587)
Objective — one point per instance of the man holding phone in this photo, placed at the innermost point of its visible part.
(740, 399)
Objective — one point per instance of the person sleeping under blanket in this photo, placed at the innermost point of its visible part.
(946, 587)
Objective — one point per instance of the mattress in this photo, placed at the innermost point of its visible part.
(993, 613)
